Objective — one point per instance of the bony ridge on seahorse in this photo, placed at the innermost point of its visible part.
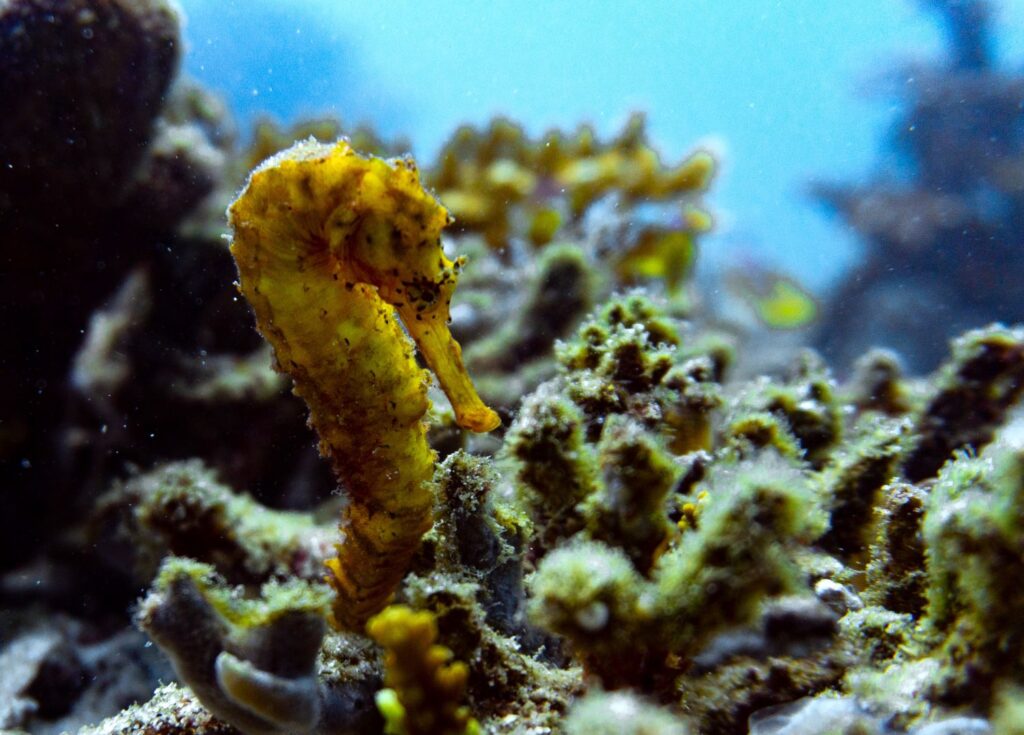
(330, 247)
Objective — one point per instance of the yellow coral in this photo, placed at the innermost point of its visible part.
(424, 686)
(499, 181)
(331, 248)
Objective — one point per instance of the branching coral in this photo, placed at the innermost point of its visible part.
(425, 687)
(973, 391)
(331, 247)
(697, 542)
(941, 224)
(503, 185)
(656, 521)
(182, 509)
(973, 530)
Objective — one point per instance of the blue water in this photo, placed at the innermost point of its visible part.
(781, 88)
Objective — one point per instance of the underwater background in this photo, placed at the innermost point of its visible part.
(587, 368)
(789, 92)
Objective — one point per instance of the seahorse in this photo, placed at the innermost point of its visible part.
(332, 249)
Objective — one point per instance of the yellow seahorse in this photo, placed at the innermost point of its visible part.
(330, 248)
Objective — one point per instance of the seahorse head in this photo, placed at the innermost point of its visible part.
(389, 234)
(385, 230)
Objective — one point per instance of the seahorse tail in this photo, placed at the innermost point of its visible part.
(375, 552)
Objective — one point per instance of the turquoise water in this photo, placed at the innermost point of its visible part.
(785, 90)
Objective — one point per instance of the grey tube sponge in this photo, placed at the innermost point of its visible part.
(253, 663)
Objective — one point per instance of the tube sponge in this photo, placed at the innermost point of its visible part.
(251, 662)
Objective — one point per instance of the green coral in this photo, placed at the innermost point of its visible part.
(628, 342)
(660, 533)
(972, 392)
(896, 573)
(590, 593)
(630, 508)
(559, 295)
(743, 550)
(749, 432)
(805, 405)
(555, 468)
(716, 576)
(853, 479)
(878, 384)
(879, 633)
(668, 533)
(974, 537)
(181, 508)
(693, 395)
(1008, 718)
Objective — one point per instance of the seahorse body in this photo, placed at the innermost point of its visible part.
(331, 248)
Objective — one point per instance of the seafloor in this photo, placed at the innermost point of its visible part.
(356, 467)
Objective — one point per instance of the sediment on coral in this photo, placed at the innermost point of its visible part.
(181, 509)
(716, 547)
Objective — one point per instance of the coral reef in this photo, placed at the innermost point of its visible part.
(659, 528)
(253, 663)
(501, 184)
(576, 217)
(61, 61)
(941, 224)
(620, 712)
(106, 153)
(181, 509)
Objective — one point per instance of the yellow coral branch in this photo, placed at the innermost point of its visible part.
(330, 247)
(425, 687)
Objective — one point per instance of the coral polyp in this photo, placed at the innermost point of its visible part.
(332, 249)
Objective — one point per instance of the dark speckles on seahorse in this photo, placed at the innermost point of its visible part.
(370, 415)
